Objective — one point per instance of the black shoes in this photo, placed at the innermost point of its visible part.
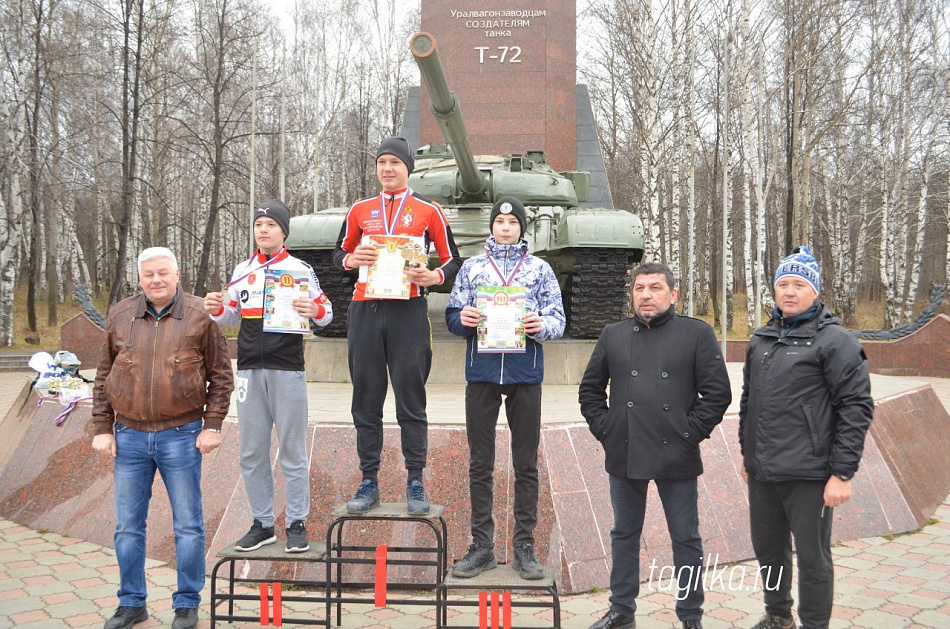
(775, 622)
(615, 620)
(185, 618)
(366, 498)
(125, 617)
(258, 536)
(524, 562)
(416, 501)
(476, 561)
(297, 538)
(692, 624)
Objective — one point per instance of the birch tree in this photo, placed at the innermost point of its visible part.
(226, 31)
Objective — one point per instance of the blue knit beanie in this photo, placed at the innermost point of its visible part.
(800, 263)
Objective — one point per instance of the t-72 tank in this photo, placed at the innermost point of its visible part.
(590, 249)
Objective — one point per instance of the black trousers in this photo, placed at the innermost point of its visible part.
(778, 512)
(394, 336)
(523, 409)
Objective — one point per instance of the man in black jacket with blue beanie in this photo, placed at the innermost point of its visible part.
(805, 410)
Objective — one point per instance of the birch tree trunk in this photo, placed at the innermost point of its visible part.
(916, 255)
(13, 152)
(752, 172)
(54, 210)
(133, 23)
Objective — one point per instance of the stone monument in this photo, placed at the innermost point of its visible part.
(513, 66)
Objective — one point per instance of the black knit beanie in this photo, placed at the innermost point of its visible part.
(276, 210)
(398, 147)
(509, 205)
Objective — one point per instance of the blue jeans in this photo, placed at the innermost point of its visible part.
(628, 496)
(173, 453)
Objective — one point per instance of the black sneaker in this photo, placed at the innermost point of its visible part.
(615, 620)
(126, 617)
(366, 498)
(524, 562)
(476, 561)
(416, 502)
(770, 621)
(692, 624)
(258, 536)
(297, 538)
(185, 618)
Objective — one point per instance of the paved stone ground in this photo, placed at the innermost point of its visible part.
(48, 581)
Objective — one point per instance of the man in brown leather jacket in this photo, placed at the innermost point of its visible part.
(162, 390)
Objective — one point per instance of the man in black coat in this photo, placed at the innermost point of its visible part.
(805, 409)
(668, 391)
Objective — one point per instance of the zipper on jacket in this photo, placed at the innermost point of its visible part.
(151, 389)
(501, 371)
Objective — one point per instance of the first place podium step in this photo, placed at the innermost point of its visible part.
(382, 557)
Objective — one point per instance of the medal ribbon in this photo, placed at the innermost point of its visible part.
(272, 259)
(506, 280)
(390, 226)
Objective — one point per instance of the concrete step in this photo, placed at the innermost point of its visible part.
(16, 360)
(564, 360)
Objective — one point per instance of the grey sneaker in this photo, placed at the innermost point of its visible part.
(366, 498)
(297, 538)
(525, 563)
(125, 617)
(770, 621)
(476, 561)
(258, 536)
(185, 618)
(416, 502)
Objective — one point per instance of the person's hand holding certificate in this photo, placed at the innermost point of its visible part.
(281, 288)
(502, 327)
(386, 278)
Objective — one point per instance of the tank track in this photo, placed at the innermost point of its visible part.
(336, 283)
(599, 290)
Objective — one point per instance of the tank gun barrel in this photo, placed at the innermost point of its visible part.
(445, 108)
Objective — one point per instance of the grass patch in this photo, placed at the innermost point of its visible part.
(48, 334)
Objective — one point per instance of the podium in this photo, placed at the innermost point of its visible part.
(340, 586)
(302, 591)
(498, 580)
(341, 555)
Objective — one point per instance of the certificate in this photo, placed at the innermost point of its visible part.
(502, 326)
(386, 278)
(281, 288)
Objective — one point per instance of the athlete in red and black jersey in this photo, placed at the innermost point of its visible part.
(392, 334)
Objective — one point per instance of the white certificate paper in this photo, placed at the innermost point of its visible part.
(501, 329)
(281, 288)
(386, 278)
